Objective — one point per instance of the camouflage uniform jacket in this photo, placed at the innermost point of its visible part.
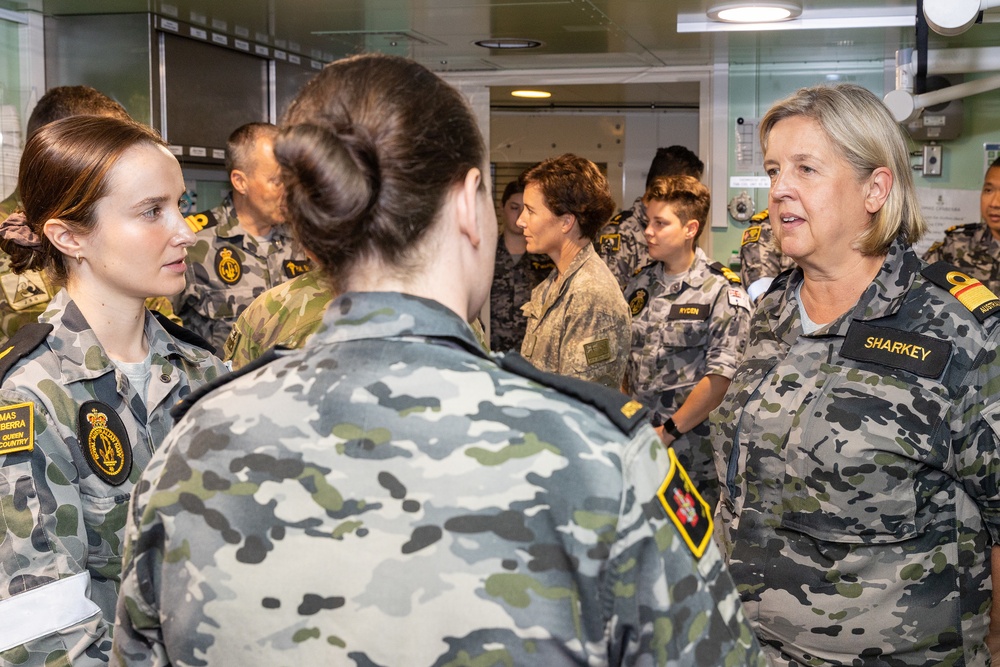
(228, 268)
(759, 254)
(622, 243)
(389, 495)
(861, 494)
(285, 315)
(695, 327)
(973, 249)
(64, 499)
(513, 280)
(578, 323)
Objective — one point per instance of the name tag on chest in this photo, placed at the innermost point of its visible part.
(688, 311)
(921, 355)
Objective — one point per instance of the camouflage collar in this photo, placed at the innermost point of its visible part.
(81, 356)
(228, 226)
(368, 315)
(882, 298)
(696, 274)
(639, 212)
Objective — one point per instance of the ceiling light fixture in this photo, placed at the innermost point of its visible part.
(508, 43)
(531, 94)
(754, 12)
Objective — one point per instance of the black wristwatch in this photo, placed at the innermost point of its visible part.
(670, 427)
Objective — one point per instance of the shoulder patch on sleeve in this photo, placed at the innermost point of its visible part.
(185, 404)
(20, 345)
(623, 412)
(609, 242)
(180, 333)
(751, 235)
(972, 294)
(728, 273)
(760, 217)
(200, 221)
(688, 511)
(17, 428)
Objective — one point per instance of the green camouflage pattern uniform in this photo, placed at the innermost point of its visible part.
(61, 524)
(684, 328)
(861, 472)
(389, 495)
(622, 243)
(24, 296)
(285, 315)
(973, 249)
(228, 268)
(578, 323)
(513, 280)
(759, 254)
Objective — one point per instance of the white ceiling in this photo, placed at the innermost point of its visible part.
(574, 33)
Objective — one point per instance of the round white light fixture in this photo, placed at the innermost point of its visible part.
(754, 12)
(532, 94)
(508, 43)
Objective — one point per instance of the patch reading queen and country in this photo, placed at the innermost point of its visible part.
(686, 508)
(17, 428)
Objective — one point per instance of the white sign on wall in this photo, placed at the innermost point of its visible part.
(944, 208)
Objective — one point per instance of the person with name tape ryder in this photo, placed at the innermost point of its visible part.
(392, 494)
(858, 442)
(86, 391)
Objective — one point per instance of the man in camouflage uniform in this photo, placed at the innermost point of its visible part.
(243, 245)
(390, 495)
(26, 295)
(621, 243)
(690, 321)
(975, 248)
(760, 259)
(74, 436)
(860, 465)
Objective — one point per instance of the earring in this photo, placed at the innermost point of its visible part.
(79, 260)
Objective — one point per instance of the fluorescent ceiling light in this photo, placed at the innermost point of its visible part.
(508, 43)
(754, 12)
(532, 94)
(809, 19)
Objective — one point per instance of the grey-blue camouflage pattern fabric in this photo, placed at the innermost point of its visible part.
(971, 248)
(58, 517)
(388, 495)
(862, 474)
(622, 243)
(682, 330)
(513, 279)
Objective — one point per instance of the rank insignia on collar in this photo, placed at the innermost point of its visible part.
(228, 267)
(17, 428)
(688, 511)
(104, 442)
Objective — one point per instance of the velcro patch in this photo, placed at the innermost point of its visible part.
(598, 351)
(751, 235)
(610, 242)
(104, 442)
(738, 298)
(921, 355)
(686, 508)
(227, 266)
(293, 268)
(689, 311)
(17, 428)
(637, 301)
(972, 294)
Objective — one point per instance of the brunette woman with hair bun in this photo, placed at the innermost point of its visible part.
(86, 391)
(391, 494)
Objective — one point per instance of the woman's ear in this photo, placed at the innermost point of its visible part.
(566, 222)
(65, 240)
(466, 206)
(879, 184)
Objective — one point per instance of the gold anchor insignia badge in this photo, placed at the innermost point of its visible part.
(104, 446)
(228, 267)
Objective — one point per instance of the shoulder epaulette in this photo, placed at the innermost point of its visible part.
(623, 412)
(618, 216)
(963, 229)
(723, 270)
(200, 221)
(760, 217)
(180, 333)
(21, 344)
(185, 404)
(972, 294)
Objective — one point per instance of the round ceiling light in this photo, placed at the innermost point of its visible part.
(754, 12)
(508, 43)
(531, 94)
